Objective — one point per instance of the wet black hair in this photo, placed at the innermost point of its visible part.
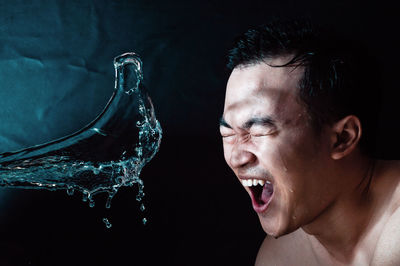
(340, 77)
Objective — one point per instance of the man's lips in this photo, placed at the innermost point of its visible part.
(261, 192)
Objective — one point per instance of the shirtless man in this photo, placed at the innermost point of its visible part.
(294, 134)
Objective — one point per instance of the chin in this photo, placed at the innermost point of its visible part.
(276, 227)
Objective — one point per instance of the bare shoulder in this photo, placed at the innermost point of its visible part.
(291, 249)
(387, 251)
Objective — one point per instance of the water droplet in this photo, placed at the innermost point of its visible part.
(142, 208)
(107, 223)
(108, 203)
(144, 221)
(139, 196)
(109, 198)
(70, 191)
(85, 195)
(91, 203)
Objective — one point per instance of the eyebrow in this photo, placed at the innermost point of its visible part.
(265, 121)
(223, 123)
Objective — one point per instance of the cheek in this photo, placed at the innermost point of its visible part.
(227, 153)
(288, 158)
(272, 155)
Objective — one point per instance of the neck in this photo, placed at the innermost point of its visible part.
(341, 226)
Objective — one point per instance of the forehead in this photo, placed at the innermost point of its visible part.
(261, 89)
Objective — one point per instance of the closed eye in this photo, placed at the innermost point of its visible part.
(226, 131)
(227, 134)
(261, 131)
(259, 135)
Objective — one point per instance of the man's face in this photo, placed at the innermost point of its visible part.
(268, 137)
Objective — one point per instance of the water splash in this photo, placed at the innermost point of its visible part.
(105, 155)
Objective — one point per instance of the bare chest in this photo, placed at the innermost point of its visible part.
(302, 249)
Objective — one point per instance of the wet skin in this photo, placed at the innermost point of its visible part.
(321, 199)
(288, 152)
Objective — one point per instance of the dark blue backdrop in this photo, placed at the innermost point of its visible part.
(56, 75)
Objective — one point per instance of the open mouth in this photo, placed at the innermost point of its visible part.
(260, 192)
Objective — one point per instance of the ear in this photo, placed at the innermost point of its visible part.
(345, 137)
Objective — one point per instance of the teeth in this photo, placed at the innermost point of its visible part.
(254, 182)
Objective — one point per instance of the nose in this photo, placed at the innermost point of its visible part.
(240, 156)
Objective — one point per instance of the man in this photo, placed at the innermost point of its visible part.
(295, 132)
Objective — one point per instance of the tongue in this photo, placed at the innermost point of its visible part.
(267, 193)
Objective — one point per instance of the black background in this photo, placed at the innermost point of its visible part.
(197, 212)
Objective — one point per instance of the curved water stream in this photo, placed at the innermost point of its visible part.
(105, 155)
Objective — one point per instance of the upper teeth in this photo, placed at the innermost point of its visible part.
(254, 182)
